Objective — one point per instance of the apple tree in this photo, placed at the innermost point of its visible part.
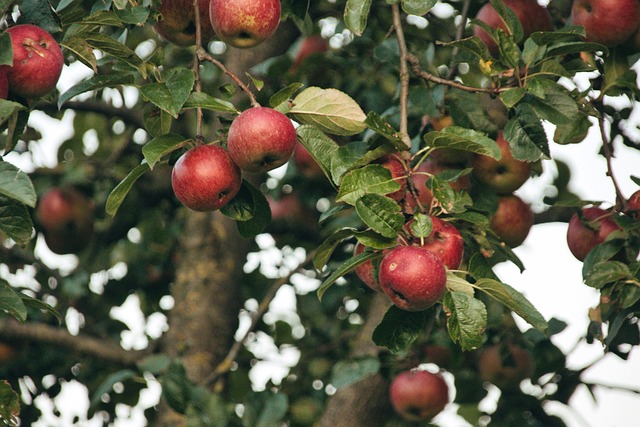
(273, 211)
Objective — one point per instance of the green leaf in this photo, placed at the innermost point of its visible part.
(466, 319)
(160, 146)
(117, 195)
(81, 50)
(107, 385)
(320, 146)
(399, 329)
(382, 127)
(573, 132)
(9, 403)
(355, 154)
(374, 240)
(16, 185)
(348, 372)
(154, 364)
(510, 18)
(115, 49)
(381, 213)
(513, 300)
(346, 267)
(331, 110)
(11, 303)
(176, 388)
(456, 283)
(265, 409)
(40, 305)
(15, 221)
(284, 95)
(605, 272)
(472, 45)
(250, 209)
(463, 139)
(156, 121)
(102, 18)
(40, 13)
(526, 135)
(356, 13)
(96, 82)
(171, 94)
(418, 7)
(6, 49)
(421, 226)
(208, 102)
(329, 245)
(512, 96)
(370, 179)
(8, 108)
(206, 410)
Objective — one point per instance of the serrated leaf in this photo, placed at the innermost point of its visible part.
(160, 146)
(320, 146)
(117, 195)
(399, 329)
(463, 139)
(208, 102)
(473, 45)
(356, 13)
(115, 49)
(95, 83)
(605, 272)
(466, 319)
(526, 135)
(11, 303)
(513, 300)
(346, 267)
(355, 154)
(331, 110)
(374, 240)
(81, 50)
(171, 94)
(381, 213)
(329, 245)
(370, 179)
(510, 18)
(382, 127)
(284, 95)
(16, 185)
(456, 283)
(348, 372)
(418, 7)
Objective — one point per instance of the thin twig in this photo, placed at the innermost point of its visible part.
(196, 69)
(621, 201)
(404, 75)
(464, 13)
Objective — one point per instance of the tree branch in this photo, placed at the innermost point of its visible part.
(93, 106)
(404, 75)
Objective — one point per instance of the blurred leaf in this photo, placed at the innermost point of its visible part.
(117, 195)
(160, 146)
(250, 209)
(40, 305)
(399, 329)
(574, 131)
(356, 13)
(94, 83)
(331, 110)
(320, 146)
(154, 364)
(107, 385)
(510, 19)
(605, 272)
(346, 267)
(472, 45)
(418, 7)
(171, 94)
(370, 179)
(11, 303)
(176, 388)
(265, 409)
(206, 410)
(463, 139)
(15, 221)
(329, 245)
(7, 108)
(16, 185)
(6, 50)
(9, 403)
(381, 213)
(466, 319)
(284, 95)
(208, 102)
(115, 49)
(348, 372)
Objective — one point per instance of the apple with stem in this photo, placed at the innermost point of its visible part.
(608, 22)
(413, 277)
(503, 176)
(512, 221)
(205, 178)
(177, 22)
(261, 139)
(244, 23)
(37, 61)
(445, 241)
(589, 229)
(504, 366)
(418, 395)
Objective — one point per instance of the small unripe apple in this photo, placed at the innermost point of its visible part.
(512, 221)
(608, 22)
(312, 45)
(398, 174)
(503, 176)
(505, 366)
(445, 241)
(205, 178)
(365, 270)
(418, 395)
(530, 13)
(4, 84)
(244, 23)
(261, 139)
(590, 229)
(37, 61)
(413, 278)
(177, 22)
(634, 205)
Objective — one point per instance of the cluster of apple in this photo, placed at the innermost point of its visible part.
(239, 23)
(207, 177)
(37, 63)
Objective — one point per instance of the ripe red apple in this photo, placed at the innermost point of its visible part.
(37, 61)
(365, 270)
(531, 14)
(418, 395)
(583, 234)
(398, 174)
(4, 84)
(67, 220)
(291, 210)
(412, 277)
(512, 220)
(609, 22)
(205, 178)
(244, 23)
(422, 174)
(306, 164)
(177, 22)
(445, 241)
(441, 355)
(261, 139)
(312, 45)
(634, 205)
(504, 366)
(503, 176)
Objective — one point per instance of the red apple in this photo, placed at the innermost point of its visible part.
(365, 270)
(205, 178)
(67, 220)
(588, 230)
(291, 210)
(244, 23)
(512, 220)
(445, 241)
(418, 395)
(177, 22)
(422, 174)
(312, 45)
(531, 14)
(504, 366)
(306, 164)
(398, 174)
(7, 353)
(4, 84)
(634, 205)
(503, 176)
(412, 277)
(609, 22)
(37, 61)
(441, 355)
(261, 139)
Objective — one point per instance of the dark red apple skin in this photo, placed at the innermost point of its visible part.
(531, 14)
(244, 23)
(634, 205)
(418, 395)
(261, 139)
(608, 22)
(412, 277)
(312, 45)
(177, 22)
(205, 178)
(445, 241)
(398, 174)
(512, 221)
(582, 238)
(441, 355)
(4, 84)
(503, 176)
(306, 164)
(37, 61)
(422, 174)
(365, 270)
(505, 368)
